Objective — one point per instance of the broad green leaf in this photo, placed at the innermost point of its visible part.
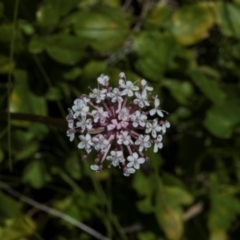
(146, 236)
(143, 184)
(228, 18)
(35, 174)
(208, 86)
(224, 209)
(149, 68)
(112, 3)
(73, 73)
(62, 7)
(191, 23)
(144, 187)
(27, 152)
(171, 221)
(8, 207)
(146, 205)
(65, 49)
(150, 43)
(36, 45)
(175, 196)
(23, 100)
(17, 228)
(47, 16)
(103, 25)
(86, 4)
(169, 218)
(5, 65)
(218, 235)
(159, 16)
(222, 118)
(73, 166)
(181, 91)
(171, 180)
(6, 31)
(158, 53)
(169, 210)
(50, 13)
(53, 94)
(183, 112)
(64, 56)
(93, 69)
(26, 27)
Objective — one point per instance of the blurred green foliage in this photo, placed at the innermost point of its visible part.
(189, 51)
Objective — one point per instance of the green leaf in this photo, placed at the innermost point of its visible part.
(159, 15)
(8, 207)
(171, 222)
(175, 196)
(159, 52)
(208, 86)
(181, 91)
(53, 94)
(228, 18)
(224, 209)
(73, 73)
(93, 69)
(191, 23)
(73, 166)
(146, 236)
(102, 25)
(218, 235)
(183, 112)
(112, 3)
(143, 184)
(171, 180)
(26, 27)
(36, 45)
(64, 56)
(149, 68)
(23, 100)
(65, 49)
(169, 211)
(17, 228)
(47, 16)
(27, 152)
(5, 65)
(221, 119)
(35, 174)
(6, 31)
(62, 7)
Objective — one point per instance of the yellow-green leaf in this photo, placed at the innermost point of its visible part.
(17, 228)
(171, 221)
(218, 235)
(191, 23)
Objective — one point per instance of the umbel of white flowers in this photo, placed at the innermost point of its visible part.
(115, 122)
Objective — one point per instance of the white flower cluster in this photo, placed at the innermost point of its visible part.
(115, 122)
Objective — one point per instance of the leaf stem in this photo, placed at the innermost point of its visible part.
(12, 47)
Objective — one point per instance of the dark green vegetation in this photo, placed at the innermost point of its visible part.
(52, 51)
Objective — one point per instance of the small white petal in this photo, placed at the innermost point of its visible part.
(130, 164)
(152, 111)
(95, 167)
